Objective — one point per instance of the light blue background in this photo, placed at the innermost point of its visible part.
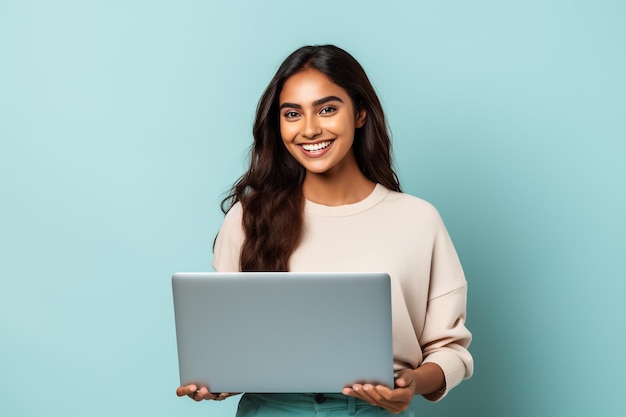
(122, 123)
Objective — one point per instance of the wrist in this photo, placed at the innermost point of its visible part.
(429, 380)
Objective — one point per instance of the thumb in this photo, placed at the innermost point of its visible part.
(405, 379)
(401, 383)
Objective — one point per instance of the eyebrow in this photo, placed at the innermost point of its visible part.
(315, 103)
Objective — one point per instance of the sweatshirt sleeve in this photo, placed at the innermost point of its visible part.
(228, 242)
(445, 339)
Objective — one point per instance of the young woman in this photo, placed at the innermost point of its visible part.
(321, 195)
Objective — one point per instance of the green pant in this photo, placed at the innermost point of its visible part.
(309, 405)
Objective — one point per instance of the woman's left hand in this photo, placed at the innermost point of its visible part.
(395, 400)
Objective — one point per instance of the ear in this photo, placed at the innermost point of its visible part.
(359, 121)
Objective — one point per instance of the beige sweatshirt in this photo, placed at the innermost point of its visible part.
(394, 233)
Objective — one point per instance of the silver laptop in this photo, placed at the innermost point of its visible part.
(283, 332)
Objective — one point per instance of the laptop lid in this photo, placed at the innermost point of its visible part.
(283, 332)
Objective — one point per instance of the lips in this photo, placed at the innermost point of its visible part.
(316, 149)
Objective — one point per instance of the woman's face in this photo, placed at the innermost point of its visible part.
(317, 123)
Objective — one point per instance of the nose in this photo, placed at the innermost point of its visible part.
(311, 128)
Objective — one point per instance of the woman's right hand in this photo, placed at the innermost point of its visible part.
(198, 394)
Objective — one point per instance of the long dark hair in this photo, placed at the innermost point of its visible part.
(271, 190)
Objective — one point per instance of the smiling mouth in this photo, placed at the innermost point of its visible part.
(316, 147)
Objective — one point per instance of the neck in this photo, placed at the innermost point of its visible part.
(337, 190)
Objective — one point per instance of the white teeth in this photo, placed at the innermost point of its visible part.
(312, 147)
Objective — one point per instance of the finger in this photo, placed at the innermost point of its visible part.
(368, 393)
(196, 395)
(201, 394)
(186, 390)
(405, 378)
(356, 391)
(204, 394)
(372, 392)
(394, 400)
(385, 393)
(353, 389)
